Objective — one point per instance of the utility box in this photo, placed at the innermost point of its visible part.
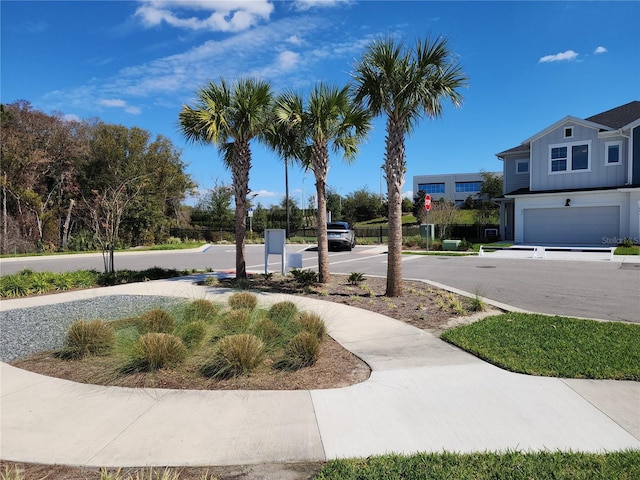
(450, 244)
(275, 241)
(294, 260)
(427, 231)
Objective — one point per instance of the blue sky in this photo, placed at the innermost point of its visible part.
(137, 62)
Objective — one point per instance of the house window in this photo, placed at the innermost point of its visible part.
(468, 187)
(568, 132)
(522, 166)
(580, 157)
(570, 157)
(613, 153)
(559, 159)
(431, 188)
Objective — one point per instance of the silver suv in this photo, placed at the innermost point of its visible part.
(340, 236)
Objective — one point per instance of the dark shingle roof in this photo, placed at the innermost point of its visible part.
(618, 117)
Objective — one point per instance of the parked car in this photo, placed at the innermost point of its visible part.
(340, 236)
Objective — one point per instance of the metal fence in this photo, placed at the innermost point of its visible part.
(472, 233)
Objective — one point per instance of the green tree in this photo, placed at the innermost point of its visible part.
(329, 119)
(491, 186)
(334, 204)
(214, 208)
(418, 207)
(361, 206)
(230, 117)
(404, 84)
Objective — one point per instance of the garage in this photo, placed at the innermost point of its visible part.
(571, 225)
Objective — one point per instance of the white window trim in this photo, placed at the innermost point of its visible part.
(564, 132)
(606, 153)
(569, 146)
(519, 162)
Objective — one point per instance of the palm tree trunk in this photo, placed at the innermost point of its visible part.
(394, 168)
(240, 172)
(320, 166)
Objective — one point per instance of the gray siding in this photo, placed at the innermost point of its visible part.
(599, 174)
(512, 180)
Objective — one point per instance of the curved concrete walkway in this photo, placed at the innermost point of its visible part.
(423, 395)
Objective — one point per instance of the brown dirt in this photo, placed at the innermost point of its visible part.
(421, 305)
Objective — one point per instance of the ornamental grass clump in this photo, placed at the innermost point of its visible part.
(153, 351)
(192, 334)
(266, 329)
(233, 356)
(87, 337)
(244, 300)
(201, 309)
(302, 351)
(312, 323)
(235, 321)
(282, 312)
(157, 320)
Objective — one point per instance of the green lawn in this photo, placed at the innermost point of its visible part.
(553, 346)
(488, 466)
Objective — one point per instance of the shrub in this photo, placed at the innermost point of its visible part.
(157, 320)
(153, 351)
(191, 333)
(303, 351)
(233, 356)
(243, 300)
(201, 309)
(87, 337)
(304, 277)
(312, 323)
(355, 278)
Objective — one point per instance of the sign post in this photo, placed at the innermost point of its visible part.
(427, 207)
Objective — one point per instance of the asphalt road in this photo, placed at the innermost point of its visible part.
(590, 289)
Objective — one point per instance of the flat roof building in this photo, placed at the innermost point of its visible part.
(454, 187)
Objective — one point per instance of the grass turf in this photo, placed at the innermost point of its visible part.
(488, 466)
(553, 346)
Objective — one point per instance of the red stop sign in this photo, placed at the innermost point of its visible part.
(427, 202)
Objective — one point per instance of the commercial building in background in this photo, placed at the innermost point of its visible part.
(454, 187)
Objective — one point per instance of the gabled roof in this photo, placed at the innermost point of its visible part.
(613, 119)
(618, 117)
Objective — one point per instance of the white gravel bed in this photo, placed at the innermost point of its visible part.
(26, 331)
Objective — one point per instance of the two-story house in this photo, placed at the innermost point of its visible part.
(576, 182)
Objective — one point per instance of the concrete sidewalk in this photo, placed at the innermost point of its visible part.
(423, 395)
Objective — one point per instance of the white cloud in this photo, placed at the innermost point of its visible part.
(408, 194)
(302, 5)
(71, 117)
(295, 40)
(287, 60)
(559, 57)
(267, 51)
(118, 103)
(115, 102)
(600, 50)
(223, 15)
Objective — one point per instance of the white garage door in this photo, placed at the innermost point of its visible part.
(571, 225)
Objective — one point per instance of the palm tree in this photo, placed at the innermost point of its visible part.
(404, 84)
(330, 119)
(230, 116)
